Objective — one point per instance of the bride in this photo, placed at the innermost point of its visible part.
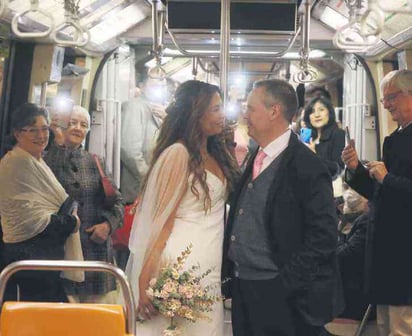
(183, 203)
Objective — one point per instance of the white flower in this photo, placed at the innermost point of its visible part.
(150, 292)
(175, 274)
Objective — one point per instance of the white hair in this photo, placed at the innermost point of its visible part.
(402, 79)
(354, 202)
(82, 110)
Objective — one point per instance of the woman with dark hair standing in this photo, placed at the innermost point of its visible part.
(328, 140)
(37, 216)
(183, 202)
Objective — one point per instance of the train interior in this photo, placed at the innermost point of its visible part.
(92, 53)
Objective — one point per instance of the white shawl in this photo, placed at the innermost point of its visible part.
(166, 184)
(29, 195)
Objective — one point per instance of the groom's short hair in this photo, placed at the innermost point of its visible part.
(280, 91)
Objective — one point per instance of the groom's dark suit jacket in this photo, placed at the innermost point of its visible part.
(300, 217)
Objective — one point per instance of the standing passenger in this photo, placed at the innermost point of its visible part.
(281, 235)
(183, 203)
(142, 117)
(388, 184)
(37, 216)
(77, 171)
(328, 139)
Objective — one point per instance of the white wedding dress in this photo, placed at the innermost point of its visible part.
(205, 232)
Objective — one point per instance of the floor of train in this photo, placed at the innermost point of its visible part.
(338, 328)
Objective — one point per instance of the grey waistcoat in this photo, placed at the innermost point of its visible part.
(249, 246)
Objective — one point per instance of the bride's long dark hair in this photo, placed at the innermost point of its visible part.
(182, 124)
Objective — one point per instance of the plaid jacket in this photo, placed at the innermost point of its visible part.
(77, 172)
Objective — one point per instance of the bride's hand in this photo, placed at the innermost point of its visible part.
(145, 309)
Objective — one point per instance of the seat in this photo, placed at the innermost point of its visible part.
(63, 319)
(66, 319)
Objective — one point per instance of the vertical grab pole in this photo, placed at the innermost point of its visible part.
(224, 48)
(43, 94)
(362, 325)
(157, 72)
(162, 20)
(306, 29)
(155, 27)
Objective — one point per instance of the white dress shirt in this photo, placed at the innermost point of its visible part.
(275, 148)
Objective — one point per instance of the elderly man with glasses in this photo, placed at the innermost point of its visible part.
(388, 184)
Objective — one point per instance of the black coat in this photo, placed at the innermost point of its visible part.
(351, 257)
(389, 244)
(330, 148)
(301, 220)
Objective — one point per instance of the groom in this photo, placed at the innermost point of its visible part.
(281, 236)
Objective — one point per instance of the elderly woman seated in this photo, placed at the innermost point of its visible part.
(353, 230)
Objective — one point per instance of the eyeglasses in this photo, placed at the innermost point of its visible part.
(36, 131)
(390, 97)
(82, 124)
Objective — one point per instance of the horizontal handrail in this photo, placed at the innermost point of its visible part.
(58, 265)
(233, 54)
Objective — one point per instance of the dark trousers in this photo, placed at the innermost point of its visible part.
(121, 256)
(37, 286)
(261, 308)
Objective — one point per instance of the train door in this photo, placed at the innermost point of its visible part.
(113, 86)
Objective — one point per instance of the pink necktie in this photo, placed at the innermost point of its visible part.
(257, 165)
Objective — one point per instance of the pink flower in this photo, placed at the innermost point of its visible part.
(186, 291)
(170, 286)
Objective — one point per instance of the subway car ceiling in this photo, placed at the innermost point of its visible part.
(260, 30)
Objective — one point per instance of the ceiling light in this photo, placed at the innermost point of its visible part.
(332, 18)
(116, 24)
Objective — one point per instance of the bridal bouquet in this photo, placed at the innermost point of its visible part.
(178, 293)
